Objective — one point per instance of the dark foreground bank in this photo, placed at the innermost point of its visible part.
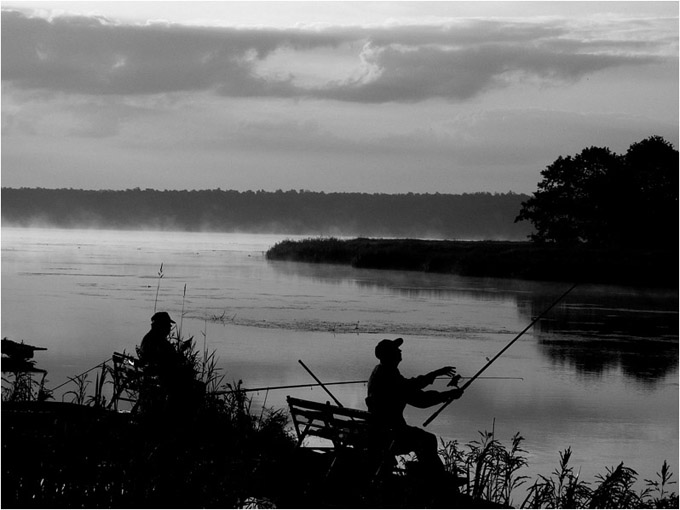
(202, 445)
(631, 265)
(58, 455)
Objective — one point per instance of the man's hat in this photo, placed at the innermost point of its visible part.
(162, 317)
(386, 346)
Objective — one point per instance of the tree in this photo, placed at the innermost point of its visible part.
(652, 170)
(601, 198)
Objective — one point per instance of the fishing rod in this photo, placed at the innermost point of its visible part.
(267, 388)
(71, 379)
(469, 382)
(335, 383)
(320, 383)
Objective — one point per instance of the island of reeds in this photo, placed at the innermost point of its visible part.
(632, 265)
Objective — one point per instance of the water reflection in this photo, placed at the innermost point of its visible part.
(604, 328)
(412, 284)
(644, 360)
(595, 329)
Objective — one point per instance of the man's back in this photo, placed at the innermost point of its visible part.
(155, 350)
(387, 395)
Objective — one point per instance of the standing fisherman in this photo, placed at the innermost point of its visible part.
(388, 394)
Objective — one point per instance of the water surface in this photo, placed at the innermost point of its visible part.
(600, 372)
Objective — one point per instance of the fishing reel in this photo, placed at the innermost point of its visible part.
(454, 381)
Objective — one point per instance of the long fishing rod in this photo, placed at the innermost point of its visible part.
(335, 383)
(469, 382)
(70, 379)
(267, 388)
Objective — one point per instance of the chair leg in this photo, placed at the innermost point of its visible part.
(386, 455)
(330, 468)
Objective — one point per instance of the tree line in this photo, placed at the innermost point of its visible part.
(601, 198)
(448, 216)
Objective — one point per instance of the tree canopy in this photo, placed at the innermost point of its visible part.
(602, 198)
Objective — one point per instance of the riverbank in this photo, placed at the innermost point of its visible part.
(61, 455)
(634, 265)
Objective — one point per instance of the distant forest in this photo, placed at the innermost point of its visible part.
(473, 216)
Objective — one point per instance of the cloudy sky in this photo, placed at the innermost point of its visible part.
(391, 97)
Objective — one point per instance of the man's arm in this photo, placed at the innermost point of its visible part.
(423, 399)
(420, 382)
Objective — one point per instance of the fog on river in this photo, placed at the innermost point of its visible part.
(599, 373)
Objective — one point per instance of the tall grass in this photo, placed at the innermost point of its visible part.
(491, 471)
(488, 467)
(22, 387)
(217, 455)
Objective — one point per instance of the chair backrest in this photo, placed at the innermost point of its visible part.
(127, 378)
(344, 427)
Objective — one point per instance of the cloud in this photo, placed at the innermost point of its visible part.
(456, 60)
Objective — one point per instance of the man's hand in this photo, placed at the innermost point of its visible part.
(450, 372)
(453, 394)
(445, 371)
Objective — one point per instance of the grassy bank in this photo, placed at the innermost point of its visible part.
(215, 451)
(632, 265)
(70, 456)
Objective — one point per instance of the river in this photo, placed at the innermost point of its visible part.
(598, 374)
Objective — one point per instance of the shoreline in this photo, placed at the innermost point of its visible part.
(638, 266)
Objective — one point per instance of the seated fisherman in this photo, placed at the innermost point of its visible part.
(156, 352)
(388, 394)
(168, 376)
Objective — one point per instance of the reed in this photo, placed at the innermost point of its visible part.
(635, 264)
(225, 455)
(158, 287)
(489, 468)
(22, 387)
(491, 471)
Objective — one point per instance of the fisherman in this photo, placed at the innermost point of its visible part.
(388, 394)
(156, 353)
(168, 379)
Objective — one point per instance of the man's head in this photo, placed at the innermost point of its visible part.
(162, 321)
(388, 351)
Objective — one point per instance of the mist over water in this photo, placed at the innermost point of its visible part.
(600, 372)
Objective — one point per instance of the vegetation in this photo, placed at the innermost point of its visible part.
(78, 454)
(605, 199)
(219, 453)
(226, 456)
(467, 216)
(632, 265)
(491, 471)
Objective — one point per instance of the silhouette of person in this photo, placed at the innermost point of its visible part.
(165, 371)
(388, 394)
(155, 351)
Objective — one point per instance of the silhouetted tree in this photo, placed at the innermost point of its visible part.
(652, 173)
(601, 198)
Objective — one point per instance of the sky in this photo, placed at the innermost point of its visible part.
(377, 97)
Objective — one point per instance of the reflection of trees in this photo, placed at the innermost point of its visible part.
(603, 328)
(595, 329)
(414, 284)
(645, 360)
